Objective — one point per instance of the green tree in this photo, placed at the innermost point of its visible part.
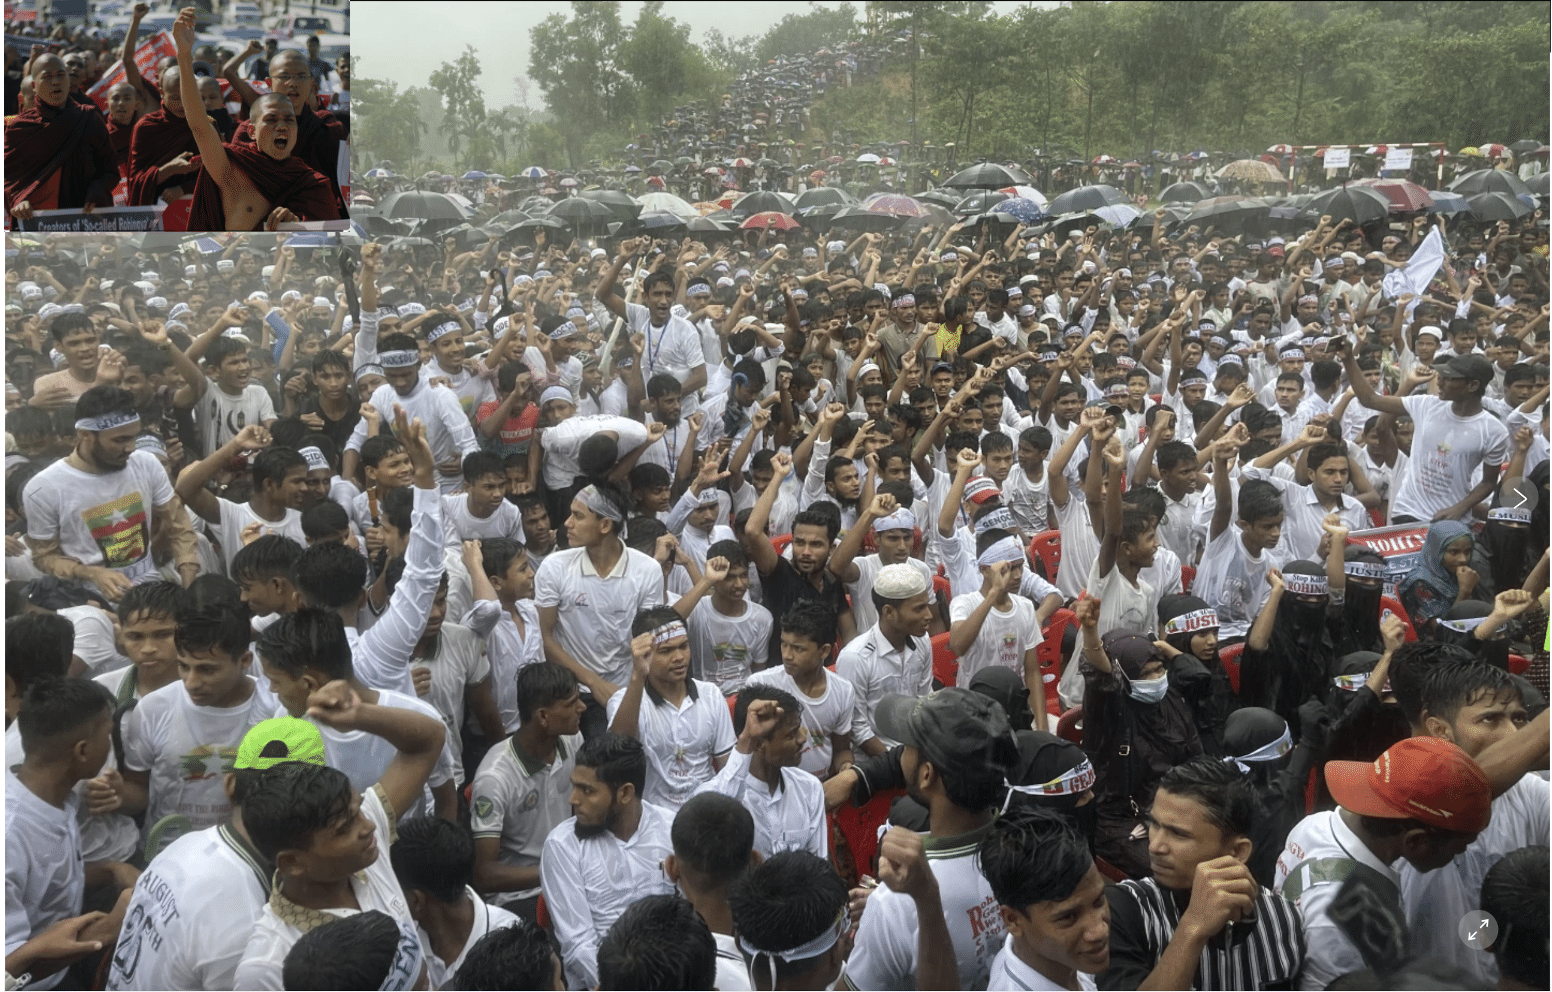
(575, 62)
(388, 125)
(464, 124)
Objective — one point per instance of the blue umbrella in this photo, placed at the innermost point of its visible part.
(533, 172)
(1023, 208)
(474, 174)
(380, 174)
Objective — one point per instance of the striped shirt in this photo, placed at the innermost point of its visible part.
(1263, 953)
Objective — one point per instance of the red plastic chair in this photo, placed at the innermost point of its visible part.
(941, 587)
(1046, 548)
(1377, 515)
(1229, 656)
(945, 663)
(1518, 663)
(1187, 576)
(780, 542)
(1070, 726)
(1050, 655)
(1109, 870)
(542, 913)
(858, 827)
(732, 705)
(1394, 605)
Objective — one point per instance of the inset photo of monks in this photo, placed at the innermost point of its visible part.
(223, 116)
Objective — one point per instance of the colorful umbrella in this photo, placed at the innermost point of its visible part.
(533, 172)
(1026, 192)
(895, 205)
(770, 220)
(1252, 171)
(1404, 195)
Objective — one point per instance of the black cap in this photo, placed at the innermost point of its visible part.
(964, 732)
(1466, 367)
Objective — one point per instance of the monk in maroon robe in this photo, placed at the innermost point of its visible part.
(123, 115)
(57, 155)
(242, 187)
(163, 153)
(318, 143)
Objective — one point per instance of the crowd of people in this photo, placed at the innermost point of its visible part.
(263, 148)
(552, 616)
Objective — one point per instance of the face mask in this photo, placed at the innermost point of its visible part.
(1150, 690)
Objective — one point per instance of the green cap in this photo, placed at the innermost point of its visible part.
(284, 738)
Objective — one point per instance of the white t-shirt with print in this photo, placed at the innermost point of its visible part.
(1004, 638)
(235, 517)
(221, 416)
(1447, 456)
(834, 711)
(100, 520)
(724, 650)
(1232, 582)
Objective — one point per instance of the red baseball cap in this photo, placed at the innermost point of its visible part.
(1421, 778)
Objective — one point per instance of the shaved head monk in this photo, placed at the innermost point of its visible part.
(123, 114)
(163, 157)
(318, 132)
(57, 155)
(243, 187)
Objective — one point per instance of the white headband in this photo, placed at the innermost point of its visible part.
(1191, 623)
(998, 519)
(370, 368)
(399, 359)
(901, 519)
(1364, 569)
(596, 501)
(108, 421)
(315, 459)
(671, 631)
(803, 952)
(443, 330)
(1269, 752)
(1510, 514)
(1073, 782)
(1306, 585)
(1007, 549)
(1463, 626)
(1351, 683)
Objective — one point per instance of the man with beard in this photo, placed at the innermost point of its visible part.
(57, 155)
(91, 515)
(608, 855)
(317, 135)
(245, 185)
(162, 152)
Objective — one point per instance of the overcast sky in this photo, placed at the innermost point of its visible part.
(406, 42)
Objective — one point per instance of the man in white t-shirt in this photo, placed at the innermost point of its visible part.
(233, 401)
(588, 595)
(523, 787)
(336, 869)
(729, 636)
(434, 862)
(181, 739)
(768, 899)
(194, 907)
(994, 625)
(482, 510)
(1052, 901)
(682, 722)
(1232, 576)
(279, 491)
(90, 515)
(713, 839)
(953, 735)
(670, 344)
(447, 427)
(1454, 440)
(64, 726)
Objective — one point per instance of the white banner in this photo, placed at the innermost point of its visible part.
(1398, 158)
(342, 173)
(1338, 158)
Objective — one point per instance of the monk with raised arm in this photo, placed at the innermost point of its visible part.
(57, 154)
(242, 187)
(319, 133)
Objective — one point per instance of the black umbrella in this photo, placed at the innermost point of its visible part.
(661, 223)
(1174, 213)
(507, 219)
(1524, 145)
(376, 223)
(1489, 181)
(821, 215)
(466, 235)
(620, 203)
(822, 196)
(761, 202)
(1489, 207)
(1359, 204)
(1086, 198)
(978, 202)
(543, 220)
(858, 219)
(1227, 211)
(988, 175)
(946, 198)
(1184, 192)
(583, 215)
(708, 225)
(1538, 184)
(424, 204)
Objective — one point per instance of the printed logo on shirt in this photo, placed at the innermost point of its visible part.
(728, 651)
(483, 807)
(207, 761)
(141, 926)
(119, 528)
(531, 801)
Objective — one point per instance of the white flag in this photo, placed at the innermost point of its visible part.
(1419, 270)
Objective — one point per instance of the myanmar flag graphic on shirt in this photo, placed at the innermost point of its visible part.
(119, 528)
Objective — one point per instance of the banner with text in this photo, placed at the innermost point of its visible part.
(148, 52)
(1401, 545)
(102, 219)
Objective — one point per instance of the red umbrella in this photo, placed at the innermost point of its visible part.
(771, 219)
(895, 205)
(1404, 195)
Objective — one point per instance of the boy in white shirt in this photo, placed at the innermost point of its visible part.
(323, 836)
(181, 738)
(729, 636)
(1052, 901)
(787, 803)
(1026, 490)
(995, 626)
(482, 511)
(504, 614)
(684, 724)
(65, 725)
(1232, 576)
